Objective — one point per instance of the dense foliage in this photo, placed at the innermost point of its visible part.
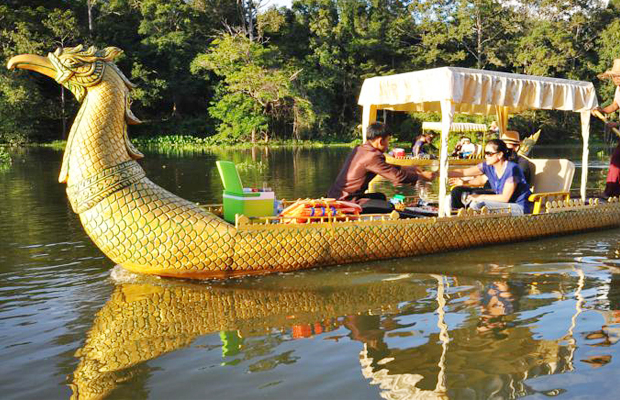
(5, 159)
(238, 70)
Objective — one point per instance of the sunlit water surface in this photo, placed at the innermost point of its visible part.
(537, 319)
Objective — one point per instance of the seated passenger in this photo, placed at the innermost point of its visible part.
(422, 146)
(457, 148)
(513, 142)
(504, 177)
(467, 148)
(462, 188)
(363, 164)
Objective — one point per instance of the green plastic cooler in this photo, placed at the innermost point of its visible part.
(238, 201)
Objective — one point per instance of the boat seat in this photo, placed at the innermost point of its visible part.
(231, 180)
(476, 154)
(552, 181)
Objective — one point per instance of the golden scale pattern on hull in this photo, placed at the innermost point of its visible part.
(147, 229)
(150, 230)
(264, 247)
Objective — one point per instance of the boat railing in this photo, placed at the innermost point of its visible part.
(245, 221)
(573, 204)
(269, 222)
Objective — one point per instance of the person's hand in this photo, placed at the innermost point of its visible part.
(475, 196)
(456, 182)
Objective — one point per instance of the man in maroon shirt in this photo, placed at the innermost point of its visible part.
(367, 161)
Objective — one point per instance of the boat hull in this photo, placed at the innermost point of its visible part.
(268, 248)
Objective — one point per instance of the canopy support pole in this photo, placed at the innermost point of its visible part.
(501, 113)
(585, 134)
(447, 115)
(369, 115)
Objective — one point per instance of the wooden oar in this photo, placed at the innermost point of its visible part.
(603, 118)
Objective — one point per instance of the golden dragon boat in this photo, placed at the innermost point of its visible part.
(149, 230)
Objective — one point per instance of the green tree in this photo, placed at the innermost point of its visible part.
(559, 39)
(339, 53)
(545, 51)
(290, 72)
(608, 49)
(473, 33)
(29, 107)
(62, 27)
(238, 115)
(255, 79)
(438, 45)
(160, 39)
(486, 30)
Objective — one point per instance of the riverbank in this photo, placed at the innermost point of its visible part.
(187, 142)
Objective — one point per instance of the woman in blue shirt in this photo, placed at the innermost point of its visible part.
(505, 177)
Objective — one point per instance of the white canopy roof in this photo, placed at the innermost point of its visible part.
(474, 91)
(451, 90)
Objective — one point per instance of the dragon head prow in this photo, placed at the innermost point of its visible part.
(73, 67)
(79, 69)
(76, 69)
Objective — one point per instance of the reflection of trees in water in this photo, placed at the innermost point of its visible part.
(32, 200)
(293, 172)
(140, 322)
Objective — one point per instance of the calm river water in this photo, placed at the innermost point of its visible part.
(534, 319)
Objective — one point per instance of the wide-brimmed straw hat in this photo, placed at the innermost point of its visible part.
(614, 71)
(511, 137)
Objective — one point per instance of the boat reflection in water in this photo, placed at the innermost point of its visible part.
(408, 347)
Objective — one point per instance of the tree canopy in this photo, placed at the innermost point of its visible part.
(240, 70)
